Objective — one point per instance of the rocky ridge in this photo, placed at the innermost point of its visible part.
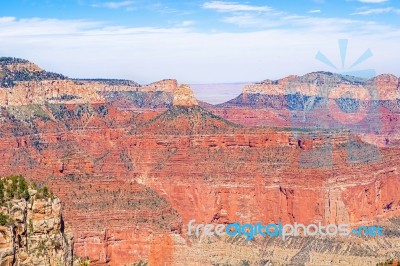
(14, 70)
(330, 85)
(318, 100)
(24, 83)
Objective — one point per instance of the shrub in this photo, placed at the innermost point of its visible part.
(245, 263)
(30, 226)
(141, 263)
(5, 219)
(13, 187)
(390, 262)
(81, 261)
(44, 193)
(84, 263)
(1, 192)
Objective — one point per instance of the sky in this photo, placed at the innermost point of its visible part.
(201, 42)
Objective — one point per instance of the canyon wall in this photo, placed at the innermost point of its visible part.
(135, 193)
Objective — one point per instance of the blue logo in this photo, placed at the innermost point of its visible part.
(347, 102)
(281, 230)
(343, 45)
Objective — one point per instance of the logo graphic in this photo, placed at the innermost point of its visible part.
(345, 100)
(354, 106)
(343, 44)
(281, 230)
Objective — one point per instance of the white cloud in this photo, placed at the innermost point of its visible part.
(376, 11)
(115, 5)
(164, 9)
(7, 19)
(283, 21)
(55, 28)
(250, 20)
(92, 49)
(372, 1)
(222, 6)
(44, 27)
(186, 23)
(314, 11)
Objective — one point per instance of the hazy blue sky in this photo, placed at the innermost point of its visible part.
(199, 41)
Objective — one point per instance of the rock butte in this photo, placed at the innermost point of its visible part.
(183, 96)
(133, 165)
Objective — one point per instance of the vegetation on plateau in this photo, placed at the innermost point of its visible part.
(16, 187)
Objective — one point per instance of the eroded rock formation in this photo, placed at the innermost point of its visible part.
(183, 96)
(32, 230)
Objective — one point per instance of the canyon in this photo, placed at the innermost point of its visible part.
(133, 164)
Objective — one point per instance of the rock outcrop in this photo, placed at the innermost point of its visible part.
(24, 83)
(32, 230)
(184, 96)
(319, 99)
(70, 92)
(14, 70)
(328, 85)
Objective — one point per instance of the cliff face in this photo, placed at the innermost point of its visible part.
(328, 85)
(71, 92)
(24, 83)
(183, 96)
(321, 99)
(158, 173)
(32, 230)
